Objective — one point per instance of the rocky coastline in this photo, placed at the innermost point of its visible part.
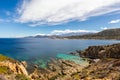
(104, 64)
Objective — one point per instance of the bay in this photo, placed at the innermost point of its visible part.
(41, 50)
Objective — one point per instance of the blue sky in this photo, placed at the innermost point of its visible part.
(30, 17)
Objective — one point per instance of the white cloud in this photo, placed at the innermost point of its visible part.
(72, 31)
(43, 34)
(40, 12)
(104, 28)
(114, 21)
(67, 31)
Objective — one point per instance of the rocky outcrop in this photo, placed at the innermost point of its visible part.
(56, 70)
(109, 51)
(105, 63)
(104, 69)
(16, 67)
(64, 67)
(11, 69)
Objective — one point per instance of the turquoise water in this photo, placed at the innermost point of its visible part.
(40, 50)
(76, 59)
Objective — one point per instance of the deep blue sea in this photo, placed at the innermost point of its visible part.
(41, 50)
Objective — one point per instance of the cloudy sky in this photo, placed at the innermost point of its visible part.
(30, 17)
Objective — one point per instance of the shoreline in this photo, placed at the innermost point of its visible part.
(104, 61)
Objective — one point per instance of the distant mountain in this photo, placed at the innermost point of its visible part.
(38, 36)
(105, 34)
(41, 36)
(60, 35)
(74, 34)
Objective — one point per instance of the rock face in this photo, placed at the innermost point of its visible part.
(11, 69)
(109, 51)
(17, 68)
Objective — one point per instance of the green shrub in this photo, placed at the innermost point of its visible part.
(21, 77)
(4, 70)
(4, 58)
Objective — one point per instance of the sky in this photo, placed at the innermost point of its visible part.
(19, 18)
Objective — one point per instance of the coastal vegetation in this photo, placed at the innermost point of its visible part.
(3, 58)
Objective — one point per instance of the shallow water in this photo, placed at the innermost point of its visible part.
(76, 59)
(40, 50)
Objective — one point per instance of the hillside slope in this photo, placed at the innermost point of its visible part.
(106, 34)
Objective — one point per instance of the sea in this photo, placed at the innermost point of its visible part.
(40, 51)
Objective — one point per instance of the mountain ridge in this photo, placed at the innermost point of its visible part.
(105, 34)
